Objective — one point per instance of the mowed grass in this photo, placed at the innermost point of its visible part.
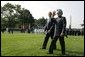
(24, 44)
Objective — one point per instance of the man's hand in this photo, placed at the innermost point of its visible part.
(61, 34)
(45, 32)
(48, 31)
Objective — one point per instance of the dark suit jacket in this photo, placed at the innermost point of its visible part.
(60, 26)
(50, 26)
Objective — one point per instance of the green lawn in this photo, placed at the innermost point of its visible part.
(24, 44)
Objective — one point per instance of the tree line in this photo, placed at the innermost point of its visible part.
(14, 16)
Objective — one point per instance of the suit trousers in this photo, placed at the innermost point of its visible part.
(62, 44)
(48, 35)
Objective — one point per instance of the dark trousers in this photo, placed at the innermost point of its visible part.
(10, 31)
(62, 43)
(48, 35)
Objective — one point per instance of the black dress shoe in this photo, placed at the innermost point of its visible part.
(50, 53)
(63, 53)
(43, 48)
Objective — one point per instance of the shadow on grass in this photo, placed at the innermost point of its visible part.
(71, 53)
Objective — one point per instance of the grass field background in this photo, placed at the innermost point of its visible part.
(24, 44)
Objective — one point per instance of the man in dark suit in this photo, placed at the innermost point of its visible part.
(49, 29)
(59, 32)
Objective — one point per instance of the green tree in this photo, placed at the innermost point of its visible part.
(41, 22)
(26, 19)
(8, 14)
(13, 15)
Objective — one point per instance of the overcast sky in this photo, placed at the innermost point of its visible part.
(39, 9)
